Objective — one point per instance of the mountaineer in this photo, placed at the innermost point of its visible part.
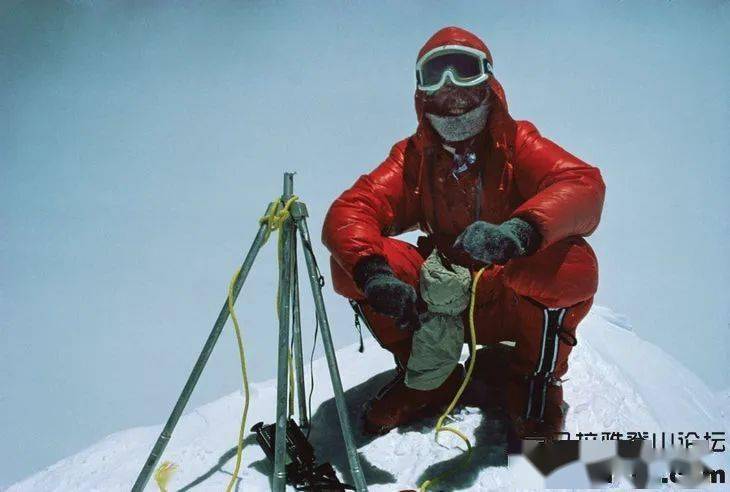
(487, 190)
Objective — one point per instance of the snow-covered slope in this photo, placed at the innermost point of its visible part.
(617, 382)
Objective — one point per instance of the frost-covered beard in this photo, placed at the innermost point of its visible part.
(461, 127)
(458, 113)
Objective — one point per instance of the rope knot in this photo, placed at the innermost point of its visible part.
(277, 214)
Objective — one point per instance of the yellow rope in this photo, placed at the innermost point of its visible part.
(275, 216)
(164, 474)
(440, 427)
(244, 372)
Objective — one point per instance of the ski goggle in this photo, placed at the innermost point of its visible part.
(462, 65)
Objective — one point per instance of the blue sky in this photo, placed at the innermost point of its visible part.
(139, 145)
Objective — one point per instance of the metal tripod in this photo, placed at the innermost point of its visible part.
(289, 313)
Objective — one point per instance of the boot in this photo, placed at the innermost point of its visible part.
(535, 407)
(397, 404)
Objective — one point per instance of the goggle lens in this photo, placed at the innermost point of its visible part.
(464, 66)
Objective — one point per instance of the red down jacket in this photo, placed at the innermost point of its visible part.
(519, 174)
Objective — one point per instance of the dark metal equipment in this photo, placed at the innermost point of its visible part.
(302, 471)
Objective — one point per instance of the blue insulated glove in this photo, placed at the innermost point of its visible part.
(384, 292)
(491, 243)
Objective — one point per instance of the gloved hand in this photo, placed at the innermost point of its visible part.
(384, 292)
(491, 243)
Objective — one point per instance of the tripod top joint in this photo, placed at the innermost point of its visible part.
(299, 211)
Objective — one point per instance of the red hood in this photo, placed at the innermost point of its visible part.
(455, 35)
(501, 128)
(497, 101)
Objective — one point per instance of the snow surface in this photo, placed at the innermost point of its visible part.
(617, 382)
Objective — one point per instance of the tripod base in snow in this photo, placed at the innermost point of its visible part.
(302, 472)
(289, 315)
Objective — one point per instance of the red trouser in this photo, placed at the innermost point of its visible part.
(513, 302)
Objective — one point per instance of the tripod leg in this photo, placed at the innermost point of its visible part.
(284, 299)
(297, 334)
(355, 469)
(161, 443)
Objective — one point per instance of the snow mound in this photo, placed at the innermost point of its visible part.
(617, 382)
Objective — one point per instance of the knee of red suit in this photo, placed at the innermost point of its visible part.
(403, 258)
(560, 275)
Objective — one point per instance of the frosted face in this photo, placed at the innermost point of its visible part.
(458, 113)
(461, 127)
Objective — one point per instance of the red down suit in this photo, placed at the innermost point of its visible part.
(519, 173)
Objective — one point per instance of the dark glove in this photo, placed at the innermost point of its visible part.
(384, 292)
(490, 243)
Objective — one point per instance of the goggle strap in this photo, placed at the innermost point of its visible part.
(486, 65)
(452, 48)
